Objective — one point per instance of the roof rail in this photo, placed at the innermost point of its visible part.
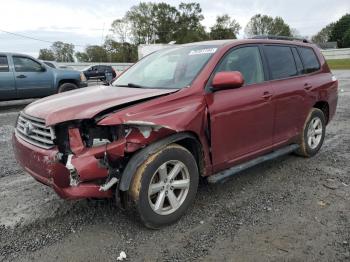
(278, 37)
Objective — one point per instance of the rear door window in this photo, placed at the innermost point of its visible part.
(246, 60)
(311, 63)
(281, 61)
(4, 66)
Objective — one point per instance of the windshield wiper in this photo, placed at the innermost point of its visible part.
(132, 85)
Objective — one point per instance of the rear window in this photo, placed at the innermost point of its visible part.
(310, 60)
(4, 66)
(281, 61)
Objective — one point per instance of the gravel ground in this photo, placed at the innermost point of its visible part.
(289, 209)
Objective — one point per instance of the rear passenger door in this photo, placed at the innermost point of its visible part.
(7, 80)
(286, 79)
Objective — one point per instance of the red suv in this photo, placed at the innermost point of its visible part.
(207, 109)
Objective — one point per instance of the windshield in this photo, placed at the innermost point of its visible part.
(174, 67)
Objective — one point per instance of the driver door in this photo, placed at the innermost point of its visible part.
(241, 118)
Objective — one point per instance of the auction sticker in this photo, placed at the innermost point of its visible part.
(203, 51)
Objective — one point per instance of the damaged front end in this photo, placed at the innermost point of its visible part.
(96, 155)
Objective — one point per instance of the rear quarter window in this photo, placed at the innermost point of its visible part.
(281, 61)
(4, 66)
(311, 63)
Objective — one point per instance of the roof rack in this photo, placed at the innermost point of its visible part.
(278, 37)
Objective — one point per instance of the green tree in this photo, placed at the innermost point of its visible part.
(142, 23)
(267, 25)
(93, 53)
(323, 35)
(46, 54)
(339, 30)
(224, 28)
(190, 28)
(96, 53)
(63, 51)
(121, 28)
(165, 22)
(82, 56)
(346, 38)
(120, 52)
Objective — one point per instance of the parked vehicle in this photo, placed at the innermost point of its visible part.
(54, 64)
(99, 72)
(207, 109)
(22, 76)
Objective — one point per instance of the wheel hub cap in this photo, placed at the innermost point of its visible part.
(315, 132)
(169, 187)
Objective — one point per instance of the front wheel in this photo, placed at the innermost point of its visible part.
(165, 185)
(313, 133)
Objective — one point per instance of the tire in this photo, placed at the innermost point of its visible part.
(154, 171)
(315, 126)
(66, 87)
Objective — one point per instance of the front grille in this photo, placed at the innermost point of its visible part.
(34, 131)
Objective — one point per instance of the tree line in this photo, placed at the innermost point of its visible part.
(148, 23)
(338, 31)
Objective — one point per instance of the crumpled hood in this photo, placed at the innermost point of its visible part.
(85, 103)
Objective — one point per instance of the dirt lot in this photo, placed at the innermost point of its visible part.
(289, 209)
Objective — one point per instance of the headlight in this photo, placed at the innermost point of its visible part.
(82, 77)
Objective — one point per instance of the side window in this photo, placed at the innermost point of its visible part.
(310, 60)
(246, 60)
(4, 66)
(25, 64)
(297, 60)
(281, 61)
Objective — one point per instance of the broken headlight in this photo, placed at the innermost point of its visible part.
(94, 136)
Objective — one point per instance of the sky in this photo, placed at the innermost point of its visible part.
(87, 22)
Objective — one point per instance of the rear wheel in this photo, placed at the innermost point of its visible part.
(313, 133)
(67, 87)
(165, 186)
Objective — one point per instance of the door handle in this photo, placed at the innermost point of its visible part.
(21, 76)
(307, 86)
(266, 95)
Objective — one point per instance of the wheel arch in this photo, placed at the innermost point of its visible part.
(186, 139)
(324, 107)
(64, 81)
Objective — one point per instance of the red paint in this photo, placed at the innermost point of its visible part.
(244, 122)
(224, 80)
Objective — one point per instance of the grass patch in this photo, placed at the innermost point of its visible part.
(339, 63)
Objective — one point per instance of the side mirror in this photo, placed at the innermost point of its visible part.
(43, 68)
(227, 80)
